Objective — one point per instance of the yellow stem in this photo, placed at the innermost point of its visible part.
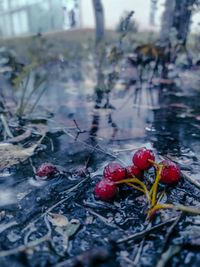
(136, 187)
(182, 208)
(131, 180)
(175, 207)
(137, 181)
(155, 186)
(147, 194)
(154, 163)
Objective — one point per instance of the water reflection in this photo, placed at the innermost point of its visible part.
(167, 129)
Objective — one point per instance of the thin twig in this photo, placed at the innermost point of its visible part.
(100, 217)
(170, 231)
(21, 248)
(138, 255)
(78, 128)
(190, 179)
(173, 250)
(145, 232)
(92, 147)
(20, 137)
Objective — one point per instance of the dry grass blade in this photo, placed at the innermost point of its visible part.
(6, 127)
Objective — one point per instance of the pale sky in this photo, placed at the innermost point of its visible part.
(115, 8)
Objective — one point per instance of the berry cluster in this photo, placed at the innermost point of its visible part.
(46, 170)
(166, 172)
(142, 160)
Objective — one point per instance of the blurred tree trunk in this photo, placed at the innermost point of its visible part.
(153, 10)
(182, 18)
(167, 21)
(177, 16)
(99, 19)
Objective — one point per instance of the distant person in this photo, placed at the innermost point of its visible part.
(72, 18)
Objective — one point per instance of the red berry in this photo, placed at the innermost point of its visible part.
(114, 171)
(105, 189)
(133, 171)
(46, 170)
(141, 158)
(170, 174)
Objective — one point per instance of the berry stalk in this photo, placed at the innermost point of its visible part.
(183, 208)
(136, 181)
(136, 187)
(155, 185)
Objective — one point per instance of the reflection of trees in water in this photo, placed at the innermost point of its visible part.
(106, 80)
(105, 83)
(95, 126)
(167, 130)
(102, 94)
(113, 125)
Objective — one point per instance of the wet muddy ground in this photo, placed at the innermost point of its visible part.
(58, 222)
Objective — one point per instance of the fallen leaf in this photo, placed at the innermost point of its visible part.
(69, 229)
(66, 231)
(14, 154)
(58, 219)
